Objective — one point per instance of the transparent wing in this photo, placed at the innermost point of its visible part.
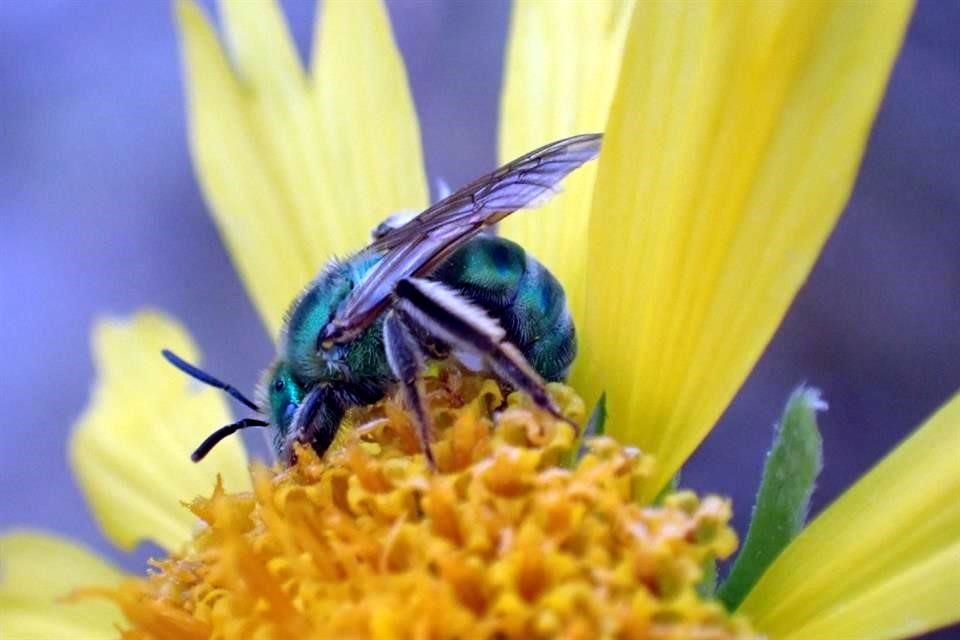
(417, 247)
(525, 182)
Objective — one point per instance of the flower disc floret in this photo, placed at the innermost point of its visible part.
(507, 539)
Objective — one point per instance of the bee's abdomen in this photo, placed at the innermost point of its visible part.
(539, 323)
(522, 294)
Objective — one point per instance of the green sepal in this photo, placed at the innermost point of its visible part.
(598, 418)
(707, 587)
(595, 424)
(783, 500)
(670, 487)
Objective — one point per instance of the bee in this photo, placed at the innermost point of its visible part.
(439, 284)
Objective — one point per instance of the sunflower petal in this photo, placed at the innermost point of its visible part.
(240, 178)
(292, 166)
(131, 448)
(370, 134)
(36, 571)
(884, 560)
(561, 69)
(734, 139)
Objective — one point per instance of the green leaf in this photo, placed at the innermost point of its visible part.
(783, 500)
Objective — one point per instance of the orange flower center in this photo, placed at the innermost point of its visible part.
(518, 535)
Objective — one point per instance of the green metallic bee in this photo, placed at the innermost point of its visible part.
(429, 287)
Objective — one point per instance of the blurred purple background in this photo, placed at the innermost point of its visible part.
(101, 215)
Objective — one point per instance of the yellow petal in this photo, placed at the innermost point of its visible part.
(298, 169)
(370, 133)
(561, 69)
(36, 571)
(734, 139)
(131, 448)
(240, 179)
(884, 560)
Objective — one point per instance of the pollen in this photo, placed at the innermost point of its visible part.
(521, 532)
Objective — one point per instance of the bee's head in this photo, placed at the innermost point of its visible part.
(280, 396)
(309, 415)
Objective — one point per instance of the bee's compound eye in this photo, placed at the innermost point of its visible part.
(278, 385)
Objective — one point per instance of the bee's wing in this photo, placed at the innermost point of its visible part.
(525, 182)
(418, 246)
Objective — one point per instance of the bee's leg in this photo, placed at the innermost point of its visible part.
(444, 313)
(407, 363)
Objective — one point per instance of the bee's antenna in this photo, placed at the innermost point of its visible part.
(204, 377)
(214, 438)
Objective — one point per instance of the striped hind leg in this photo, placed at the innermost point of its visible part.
(441, 312)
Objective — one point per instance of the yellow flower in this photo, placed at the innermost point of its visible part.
(733, 133)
